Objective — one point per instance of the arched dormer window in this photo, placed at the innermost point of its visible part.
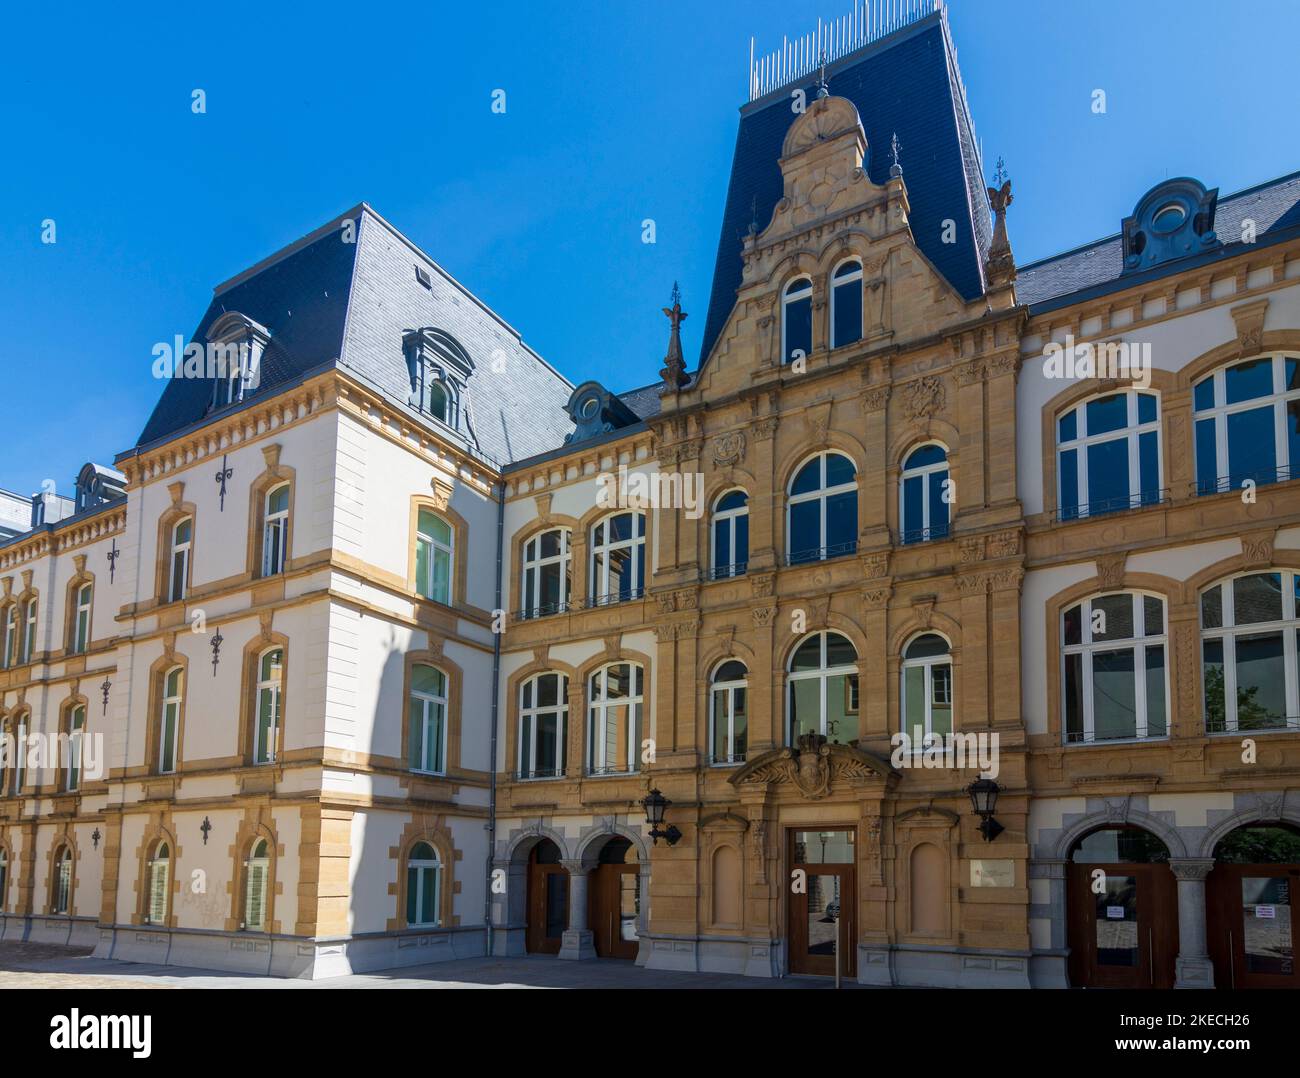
(924, 492)
(1114, 679)
(439, 367)
(796, 320)
(1175, 219)
(233, 353)
(729, 713)
(730, 534)
(822, 509)
(1247, 419)
(846, 303)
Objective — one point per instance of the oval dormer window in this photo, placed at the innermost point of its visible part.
(1169, 217)
(589, 407)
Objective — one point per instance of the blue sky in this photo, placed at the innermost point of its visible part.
(615, 112)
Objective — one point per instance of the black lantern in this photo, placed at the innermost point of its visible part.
(984, 800)
(654, 804)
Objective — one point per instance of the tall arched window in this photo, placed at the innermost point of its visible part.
(76, 736)
(796, 320)
(1114, 680)
(547, 573)
(731, 534)
(1108, 454)
(29, 631)
(11, 636)
(616, 697)
(9, 748)
(618, 558)
(822, 509)
(62, 881)
(4, 871)
(846, 303)
(275, 530)
(270, 676)
(543, 726)
(433, 557)
(423, 879)
(169, 720)
(81, 614)
(729, 713)
(927, 690)
(1247, 420)
(823, 688)
(427, 717)
(257, 878)
(924, 495)
(15, 732)
(158, 884)
(1249, 626)
(182, 538)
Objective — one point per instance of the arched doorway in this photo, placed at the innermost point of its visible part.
(614, 893)
(1251, 907)
(548, 899)
(1123, 910)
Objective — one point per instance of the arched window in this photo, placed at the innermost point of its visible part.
(731, 534)
(846, 303)
(275, 530)
(423, 879)
(1115, 682)
(1248, 650)
(796, 320)
(1247, 420)
(1108, 454)
(14, 731)
(433, 557)
(76, 736)
(616, 698)
(618, 559)
(547, 573)
(266, 736)
(927, 690)
(924, 495)
(729, 713)
(81, 623)
(427, 716)
(543, 726)
(29, 631)
(158, 884)
(822, 509)
(169, 720)
(182, 538)
(257, 878)
(4, 870)
(823, 693)
(9, 750)
(440, 402)
(62, 881)
(11, 636)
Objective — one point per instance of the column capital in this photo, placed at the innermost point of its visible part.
(1190, 868)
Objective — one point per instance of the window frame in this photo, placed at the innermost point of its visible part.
(855, 277)
(728, 687)
(176, 702)
(28, 641)
(1227, 633)
(76, 736)
(531, 570)
(728, 518)
(274, 685)
(823, 673)
(159, 858)
(639, 556)
(81, 612)
(823, 493)
(788, 297)
(532, 712)
(1283, 467)
(928, 533)
(421, 866)
(62, 882)
(1132, 431)
(182, 549)
(11, 633)
(441, 706)
(435, 546)
(1137, 644)
(634, 718)
(927, 664)
(264, 861)
(275, 524)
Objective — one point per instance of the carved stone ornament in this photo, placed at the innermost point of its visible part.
(924, 397)
(729, 449)
(1110, 570)
(812, 766)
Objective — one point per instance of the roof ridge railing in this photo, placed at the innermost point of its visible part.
(870, 20)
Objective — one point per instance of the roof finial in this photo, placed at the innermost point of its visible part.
(822, 89)
(674, 372)
(753, 216)
(1000, 175)
(895, 170)
(1000, 267)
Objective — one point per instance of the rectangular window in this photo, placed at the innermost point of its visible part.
(1252, 449)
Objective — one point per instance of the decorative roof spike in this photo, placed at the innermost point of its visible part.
(822, 89)
(674, 372)
(895, 170)
(1000, 269)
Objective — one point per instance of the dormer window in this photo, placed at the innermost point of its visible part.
(1175, 219)
(439, 368)
(1169, 217)
(235, 345)
(440, 403)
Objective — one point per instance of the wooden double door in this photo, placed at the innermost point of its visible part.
(1123, 925)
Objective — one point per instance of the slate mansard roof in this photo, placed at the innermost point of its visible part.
(908, 84)
(327, 302)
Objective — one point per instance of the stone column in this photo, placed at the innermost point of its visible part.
(577, 943)
(1193, 968)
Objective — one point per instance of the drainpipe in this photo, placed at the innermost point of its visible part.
(492, 760)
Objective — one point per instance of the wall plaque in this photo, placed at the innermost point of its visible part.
(992, 873)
